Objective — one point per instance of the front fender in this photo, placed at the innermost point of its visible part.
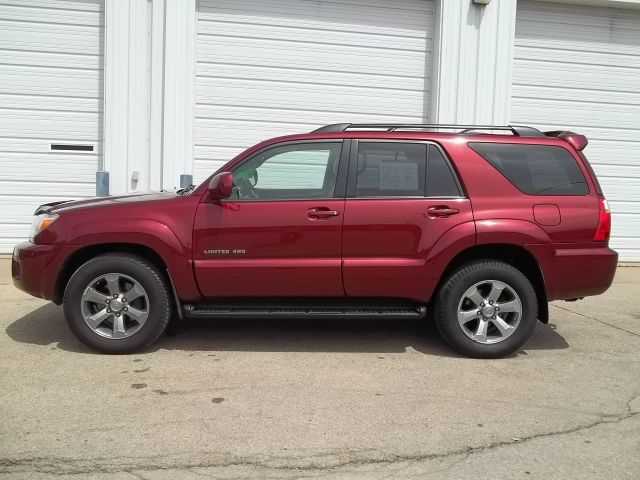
(151, 234)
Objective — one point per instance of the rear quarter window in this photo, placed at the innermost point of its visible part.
(535, 169)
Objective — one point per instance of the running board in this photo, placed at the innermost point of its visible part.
(298, 309)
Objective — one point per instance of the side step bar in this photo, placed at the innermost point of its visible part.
(283, 310)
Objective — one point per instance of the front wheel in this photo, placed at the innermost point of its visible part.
(117, 303)
(486, 309)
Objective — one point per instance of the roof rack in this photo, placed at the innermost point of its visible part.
(520, 131)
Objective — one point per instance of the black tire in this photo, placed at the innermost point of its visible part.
(143, 272)
(451, 293)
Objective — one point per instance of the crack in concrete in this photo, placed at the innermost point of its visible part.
(597, 320)
(60, 466)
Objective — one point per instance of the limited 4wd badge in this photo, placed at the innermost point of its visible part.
(224, 251)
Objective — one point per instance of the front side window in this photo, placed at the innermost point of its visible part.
(290, 172)
(535, 169)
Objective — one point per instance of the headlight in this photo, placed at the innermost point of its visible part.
(41, 222)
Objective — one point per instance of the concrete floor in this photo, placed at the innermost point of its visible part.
(329, 399)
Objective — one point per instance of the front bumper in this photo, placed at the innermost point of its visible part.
(34, 269)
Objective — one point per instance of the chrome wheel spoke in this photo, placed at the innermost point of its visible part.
(95, 320)
(465, 316)
(139, 316)
(496, 291)
(136, 291)
(113, 283)
(504, 327)
(118, 327)
(508, 307)
(474, 295)
(93, 295)
(481, 331)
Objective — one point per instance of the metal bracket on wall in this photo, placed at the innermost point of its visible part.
(102, 184)
(186, 180)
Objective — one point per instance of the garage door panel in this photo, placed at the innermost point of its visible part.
(316, 56)
(580, 113)
(325, 36)
(564, 93)
(564, 16)
(63, 125)
(49, 37)
(307, 97)
(281, 113)
(588, 76)
(267, 72)
(51, 60)
(578, 68)
(23, 80)
(22, 12)
(376, 15)
(69, 104)
(43, 167)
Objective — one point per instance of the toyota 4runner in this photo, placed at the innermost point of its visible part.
(477, 227)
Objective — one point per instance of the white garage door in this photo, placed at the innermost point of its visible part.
(276, 67)
(50, 102)
(579, 68)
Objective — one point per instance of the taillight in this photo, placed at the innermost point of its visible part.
(604, 222)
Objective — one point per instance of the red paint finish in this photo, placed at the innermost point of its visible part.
(388, 244)
(268, 248)
(382, 247)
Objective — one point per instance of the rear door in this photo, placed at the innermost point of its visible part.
(402, 197)
(280, 233)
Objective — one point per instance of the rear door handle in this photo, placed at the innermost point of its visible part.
(322, 213)
(441, 211)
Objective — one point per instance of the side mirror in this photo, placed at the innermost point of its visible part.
(221, 186)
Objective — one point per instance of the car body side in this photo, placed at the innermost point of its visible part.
(502, 222)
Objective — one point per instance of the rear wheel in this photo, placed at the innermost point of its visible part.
(486, 309)
(117, 303)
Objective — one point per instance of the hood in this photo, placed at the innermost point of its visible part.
(103, 201)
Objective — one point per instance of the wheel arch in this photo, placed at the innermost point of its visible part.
(82, 255)
(516, 256)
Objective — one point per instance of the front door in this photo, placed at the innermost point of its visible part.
(402, 198)
(280, 233)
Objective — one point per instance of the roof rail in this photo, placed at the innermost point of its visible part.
(520, 131)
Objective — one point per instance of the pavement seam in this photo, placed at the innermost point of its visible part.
(61, 466)
(597, 320)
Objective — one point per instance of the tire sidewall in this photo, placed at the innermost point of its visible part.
(139, 270)
(455, 287)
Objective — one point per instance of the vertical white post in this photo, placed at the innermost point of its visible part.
(127, 94)
(179, 78)
(473, 58)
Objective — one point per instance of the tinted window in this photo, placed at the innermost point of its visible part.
(391, 169)
(535, 169)
(289, 172)
(440, 179)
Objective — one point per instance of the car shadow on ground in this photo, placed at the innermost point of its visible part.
(46, 326)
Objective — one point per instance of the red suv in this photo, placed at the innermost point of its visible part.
(476, 227)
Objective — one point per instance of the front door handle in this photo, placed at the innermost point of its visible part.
(441, 211)
(322, 213)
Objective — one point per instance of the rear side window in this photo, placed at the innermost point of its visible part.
(397, 169)
(391, 169)
(535, 169)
